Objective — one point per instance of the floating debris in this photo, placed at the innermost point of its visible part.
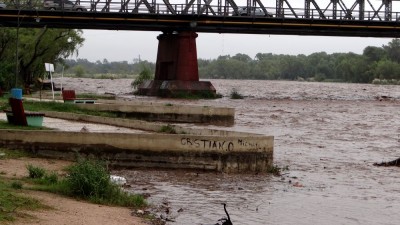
(118, 180)
(395, 162)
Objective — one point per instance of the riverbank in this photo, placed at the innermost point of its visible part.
(329, 135)
(62, 210)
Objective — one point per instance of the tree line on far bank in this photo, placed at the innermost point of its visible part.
(23, 52)
(375, 63)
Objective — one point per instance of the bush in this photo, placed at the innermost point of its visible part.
(88, 179)
(276, 170)
(35, 172)
(144, 75)
(51, 178)
(235, 94)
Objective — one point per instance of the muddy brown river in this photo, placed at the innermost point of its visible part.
(327, 136)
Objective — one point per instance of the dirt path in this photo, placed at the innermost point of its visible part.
(70, 211)
(64, 210)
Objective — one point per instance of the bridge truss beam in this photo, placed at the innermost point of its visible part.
(218, 16)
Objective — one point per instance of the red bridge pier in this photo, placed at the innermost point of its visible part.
(176, 68)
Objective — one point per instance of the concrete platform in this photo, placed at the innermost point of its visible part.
(168, 113)
(231, 154)
(140, 144)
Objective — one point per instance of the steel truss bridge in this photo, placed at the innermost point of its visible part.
(368, 18)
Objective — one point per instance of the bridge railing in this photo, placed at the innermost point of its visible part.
(153, 7)
(338, 15)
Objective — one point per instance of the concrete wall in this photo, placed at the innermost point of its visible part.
(142, 125)
(219, 153)
(169, 113)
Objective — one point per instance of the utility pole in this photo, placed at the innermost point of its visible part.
(17, 47)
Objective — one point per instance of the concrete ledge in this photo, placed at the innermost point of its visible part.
(142, 125)
(170, 88)
(219, 153)
(169, 113)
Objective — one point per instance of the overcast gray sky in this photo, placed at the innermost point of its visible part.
(129, 45)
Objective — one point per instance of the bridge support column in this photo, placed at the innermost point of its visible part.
(176, 68)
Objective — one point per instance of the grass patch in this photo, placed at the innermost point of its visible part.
(16, 185)
(37, 106)
(5, 125)
(11, 202)
(50, 178)
(13, 154)
(50, 106)
(168, 129)
(62, 107)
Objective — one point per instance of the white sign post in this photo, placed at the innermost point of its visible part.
(62, 78)
(50, 68)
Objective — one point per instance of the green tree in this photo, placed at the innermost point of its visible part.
(79, 71)
(354, 68)
(393, 50)
(269, 67)
(226, 67)
(386, 69)
(291, 67)
(242, 57)
(374, 54)
(36, 47)
(263, 56)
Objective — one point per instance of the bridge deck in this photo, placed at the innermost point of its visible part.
(224, 17)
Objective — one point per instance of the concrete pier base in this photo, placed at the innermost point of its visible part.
(175, 88)
(176, 68)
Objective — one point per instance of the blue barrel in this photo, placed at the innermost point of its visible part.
(16, 93)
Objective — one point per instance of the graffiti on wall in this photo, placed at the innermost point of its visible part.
(219, 144)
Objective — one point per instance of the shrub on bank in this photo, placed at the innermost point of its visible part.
(89, 179)
(35, 171)
(144, 75)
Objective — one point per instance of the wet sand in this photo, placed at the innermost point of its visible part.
(327, 134)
